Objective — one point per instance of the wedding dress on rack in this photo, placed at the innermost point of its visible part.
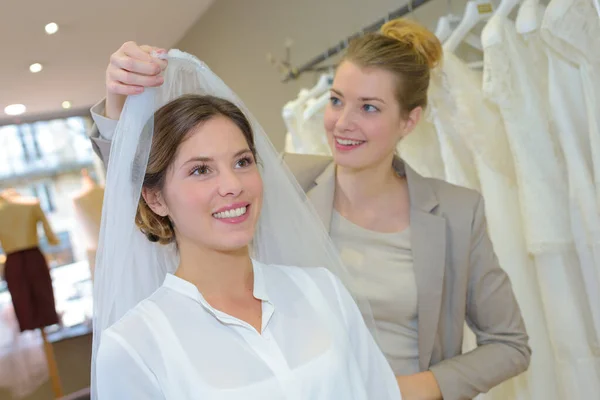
(458, 104)
(306, 134)
(421, 150)
(558, 80)
(541, 180)
(572, 29)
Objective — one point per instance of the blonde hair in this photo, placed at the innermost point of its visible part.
(404, 48)
(173, 124)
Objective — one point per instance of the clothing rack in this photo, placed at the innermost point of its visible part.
(294, 73)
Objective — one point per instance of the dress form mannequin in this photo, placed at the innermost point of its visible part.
(88, 211)
(26, 272)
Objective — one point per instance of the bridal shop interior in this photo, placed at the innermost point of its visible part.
(513, 114)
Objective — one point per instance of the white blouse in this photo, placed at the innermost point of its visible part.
(314, 345)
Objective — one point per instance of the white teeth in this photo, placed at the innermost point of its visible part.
(347, 142)
(237, 212)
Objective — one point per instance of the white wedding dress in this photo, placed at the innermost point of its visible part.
(421, 150)
(478, 130)
(572, 29)
(510, 82)
(558, 80)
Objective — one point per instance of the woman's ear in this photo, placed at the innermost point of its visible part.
(413, 118)
(155, 201)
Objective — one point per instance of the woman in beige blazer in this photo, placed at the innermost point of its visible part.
(418, 245)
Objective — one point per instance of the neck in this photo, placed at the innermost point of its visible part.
(219, 273)
(357, 187)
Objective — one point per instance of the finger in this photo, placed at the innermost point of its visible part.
(130, 78)
(132, 50)
(159, 61)
(152, 49)
(127, 90)
(135, 66)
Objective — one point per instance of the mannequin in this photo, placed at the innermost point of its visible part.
(26, 272)
(88, 211)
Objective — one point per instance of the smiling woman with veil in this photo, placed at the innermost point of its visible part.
(192, 298)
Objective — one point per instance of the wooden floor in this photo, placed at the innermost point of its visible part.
(73, 357)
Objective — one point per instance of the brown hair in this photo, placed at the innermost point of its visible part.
(173, 124)
(406, 49)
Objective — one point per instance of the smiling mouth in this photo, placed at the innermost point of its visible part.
(348, 143)
(231, 213)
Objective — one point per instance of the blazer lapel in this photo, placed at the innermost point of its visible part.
(322, 195)
(428, 238)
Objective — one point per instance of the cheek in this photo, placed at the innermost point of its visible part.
(330, 119)
(381, 128)
(253, 185)
(189, 198)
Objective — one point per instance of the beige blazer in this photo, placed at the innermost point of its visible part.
(458, 279)
(457, 274)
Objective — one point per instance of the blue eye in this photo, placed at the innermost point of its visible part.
(334, 101)
(370, 108)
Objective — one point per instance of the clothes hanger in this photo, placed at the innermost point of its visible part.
(528, 18)
(316, 105)
(505, 7)
(293, 111)
(446, 26)
(476, 11)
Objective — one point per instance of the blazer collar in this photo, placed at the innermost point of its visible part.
(421, 193)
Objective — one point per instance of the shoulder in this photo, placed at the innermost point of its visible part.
(306, 168)
(451, 199)
(454, 195)
(296, 274)
(135, 327)
(285, 276)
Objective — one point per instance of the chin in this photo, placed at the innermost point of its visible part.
(350, 161)
(233, 242)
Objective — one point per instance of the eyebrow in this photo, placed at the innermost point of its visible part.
(364, 99)
(209, 159)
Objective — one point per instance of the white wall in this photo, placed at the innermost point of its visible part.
(234, 37)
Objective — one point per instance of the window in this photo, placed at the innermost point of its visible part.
(44, 159)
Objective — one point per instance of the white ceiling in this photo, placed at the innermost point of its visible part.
(76, 57)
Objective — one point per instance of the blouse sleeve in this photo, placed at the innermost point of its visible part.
(379, 379)
(121, 373)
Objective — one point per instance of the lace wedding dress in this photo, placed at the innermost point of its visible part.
(572, 29)
(421, 150)
(558, 80)
(478, 130)
(510, 82)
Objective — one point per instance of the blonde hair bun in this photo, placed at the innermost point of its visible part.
(416, 36)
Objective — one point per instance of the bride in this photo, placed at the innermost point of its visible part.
(192, 300)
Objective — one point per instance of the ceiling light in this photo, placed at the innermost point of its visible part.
(51, 28)
(15, 109)
(35, 68)
(66, 105)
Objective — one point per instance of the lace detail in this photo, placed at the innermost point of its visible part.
(458, 160)
(479, 121)
(538, 164)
